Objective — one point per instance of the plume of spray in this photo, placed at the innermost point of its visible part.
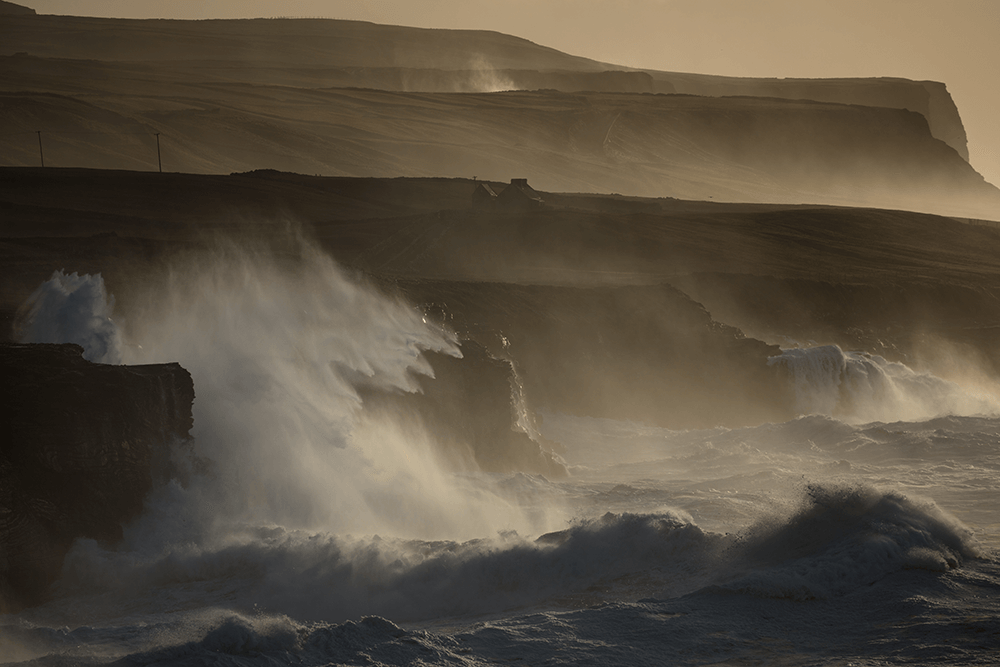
(72, 309)
(276, 347)
(293, 496)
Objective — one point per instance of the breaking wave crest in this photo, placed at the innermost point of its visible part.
(834, 541)
(841, 538)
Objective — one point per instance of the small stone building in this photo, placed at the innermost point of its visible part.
(484, 195)
(519, 195)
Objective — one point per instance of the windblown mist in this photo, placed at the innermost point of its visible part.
(298, 528)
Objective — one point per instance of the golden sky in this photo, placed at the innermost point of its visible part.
(954, 41)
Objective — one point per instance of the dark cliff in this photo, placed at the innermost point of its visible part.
(470, 408)
(82, 445)
(576, 287)
(326, 53)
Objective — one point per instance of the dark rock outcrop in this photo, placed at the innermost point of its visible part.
(469, 408)
(81, 446)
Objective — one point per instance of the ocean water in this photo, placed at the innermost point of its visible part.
(864, 532)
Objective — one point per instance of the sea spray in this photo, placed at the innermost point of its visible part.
(286, 465)
(221, 569)
(72, 309)
(276, 343)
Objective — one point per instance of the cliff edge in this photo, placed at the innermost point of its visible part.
(10, 8)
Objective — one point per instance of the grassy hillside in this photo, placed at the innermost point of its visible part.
(358, 99)
(729, 149)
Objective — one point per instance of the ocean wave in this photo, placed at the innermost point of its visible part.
(325, 576)
(842, 538)
(834, 540)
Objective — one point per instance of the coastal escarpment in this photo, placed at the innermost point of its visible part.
(330, 53)
(930, 99)
(83, 444)
(720, 148)
(328, 97)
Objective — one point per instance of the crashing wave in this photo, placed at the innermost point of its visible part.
(860, 387)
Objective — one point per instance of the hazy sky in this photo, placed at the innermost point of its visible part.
(954, 41)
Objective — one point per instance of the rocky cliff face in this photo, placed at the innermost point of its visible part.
(470, 408)
(918, 321)
(930, 99)
(82, 444)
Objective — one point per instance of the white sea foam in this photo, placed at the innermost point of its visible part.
(831, 541)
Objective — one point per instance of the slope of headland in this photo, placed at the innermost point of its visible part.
(350, 98)
(11, 9)
(335, 53)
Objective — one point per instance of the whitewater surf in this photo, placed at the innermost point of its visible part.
(304, 531)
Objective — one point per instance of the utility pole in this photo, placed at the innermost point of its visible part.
(40, 154)
(158, 162)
